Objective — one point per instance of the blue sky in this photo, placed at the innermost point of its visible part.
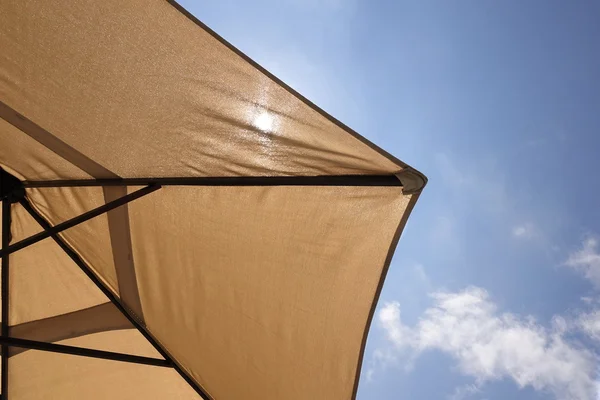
(494, 291)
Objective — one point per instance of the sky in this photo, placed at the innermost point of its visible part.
(494, 290)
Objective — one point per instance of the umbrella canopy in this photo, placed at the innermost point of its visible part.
(177, 222)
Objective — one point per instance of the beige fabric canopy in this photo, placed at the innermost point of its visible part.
(182, 224)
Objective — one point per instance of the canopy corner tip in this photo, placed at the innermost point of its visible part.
(412, 180)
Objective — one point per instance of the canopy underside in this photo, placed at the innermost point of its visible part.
(254, 292)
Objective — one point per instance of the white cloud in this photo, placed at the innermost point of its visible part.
(389, 319)
(488, 345)
(586, 260)
(524, 231)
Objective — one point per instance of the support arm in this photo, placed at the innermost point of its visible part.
(78, 220)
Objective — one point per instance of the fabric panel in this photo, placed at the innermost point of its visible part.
(25, 158)
(90, 239)
(22, 225)
(268, 288)
(44, 281)
(142, 90)
(101, 318)
(53, 143)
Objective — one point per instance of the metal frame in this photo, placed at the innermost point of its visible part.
(53, 231)
(319, 180)
(77, 220)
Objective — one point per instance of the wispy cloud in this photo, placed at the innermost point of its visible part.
(587, 299)
(488, 345)
(586, 260)
(477, 183)
(422, 276)
(589, 323)
(524, 231)
(480, 188)
(445, 237)
(383, 358)
(464, 392)
(452, 174)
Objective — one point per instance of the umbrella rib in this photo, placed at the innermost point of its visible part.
(113, 298)
(85, 352)
(318, 180)
(78, 220)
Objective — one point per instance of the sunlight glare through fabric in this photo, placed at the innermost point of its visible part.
(264, 122)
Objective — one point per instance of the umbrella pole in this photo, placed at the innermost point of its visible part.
(11, 191)
(6, 220)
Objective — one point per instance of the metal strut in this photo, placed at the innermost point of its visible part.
(320, 180)
(78, 220)
(80, 351)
